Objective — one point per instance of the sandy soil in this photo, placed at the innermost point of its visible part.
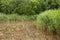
(22, 30)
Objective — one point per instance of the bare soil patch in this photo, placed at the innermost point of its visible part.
(22, 30)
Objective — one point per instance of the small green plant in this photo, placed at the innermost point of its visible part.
(49, 21)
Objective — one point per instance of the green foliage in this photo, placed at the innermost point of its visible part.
(27, 7)
(16, 17)
(43, 5)
(16, 6)
(49, 20)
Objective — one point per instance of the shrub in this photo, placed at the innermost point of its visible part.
(21, 7)
(49, 21)
(27, 7)
(43, 5)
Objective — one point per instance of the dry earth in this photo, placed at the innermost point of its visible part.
(22, 30)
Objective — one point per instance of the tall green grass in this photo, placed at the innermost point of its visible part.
(49, 21)
(16, 17)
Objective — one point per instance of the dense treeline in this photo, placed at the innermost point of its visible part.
(28, 7)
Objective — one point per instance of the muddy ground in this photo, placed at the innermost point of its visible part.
(22, 30)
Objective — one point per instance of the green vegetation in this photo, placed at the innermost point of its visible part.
(27, 7)
(16, 17)
(21, 10)
(13, 10)
(49, 20)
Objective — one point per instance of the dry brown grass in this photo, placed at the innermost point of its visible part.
(22, 30)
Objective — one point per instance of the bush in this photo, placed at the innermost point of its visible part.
(21, 7)
(49, 21)
(27, 7)
(43, 5)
